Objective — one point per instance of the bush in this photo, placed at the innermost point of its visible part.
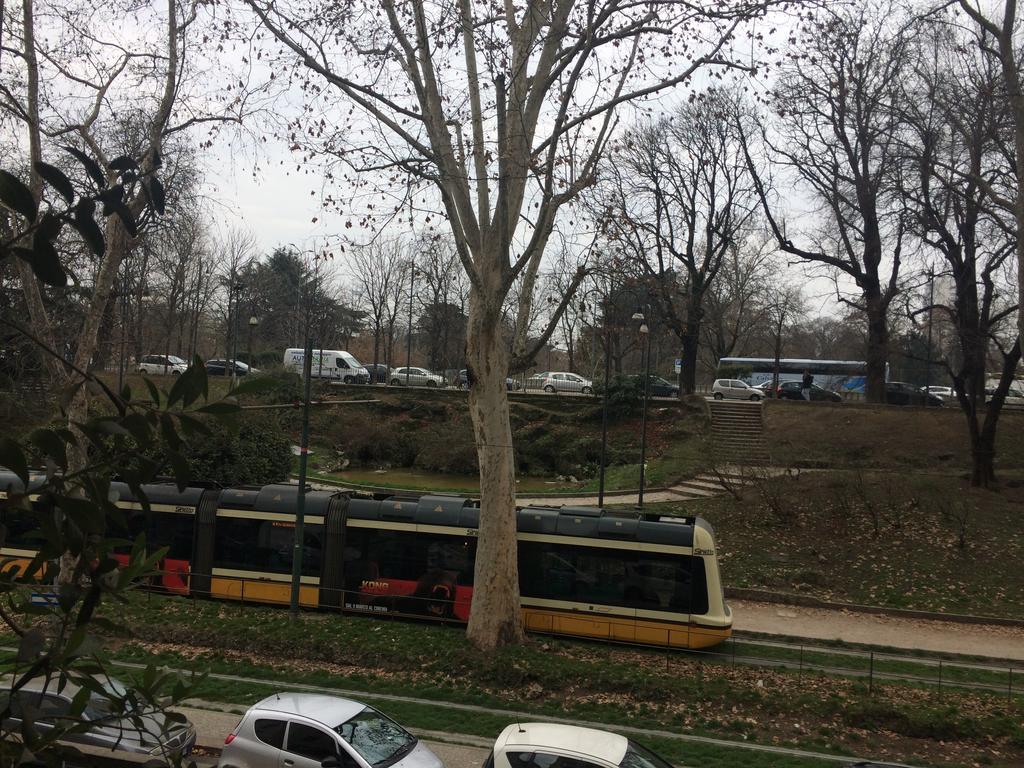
(256, 452)
(625, 394)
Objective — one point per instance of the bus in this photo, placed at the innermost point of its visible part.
(836, 375)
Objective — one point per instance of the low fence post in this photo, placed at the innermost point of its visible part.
(940, 676)
(871, 674)
(1009, 686)
(801, 660)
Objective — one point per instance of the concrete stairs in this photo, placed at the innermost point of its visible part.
(737, 432)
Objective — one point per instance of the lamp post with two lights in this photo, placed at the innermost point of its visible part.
(645, 332)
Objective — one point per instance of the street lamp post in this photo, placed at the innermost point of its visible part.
(122, 363)
(928, 365)
(234, 287)
(253, 322)
(646, 332)
(300, 501)
(408, 342)
(604, 410)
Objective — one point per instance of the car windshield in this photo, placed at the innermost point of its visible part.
(640, 757)
(114, 701)
(350, 360)
(379, 740)
(175, 360)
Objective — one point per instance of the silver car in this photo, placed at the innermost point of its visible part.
(416, 377)
(305, 730)
(136, 731)
(560, 381)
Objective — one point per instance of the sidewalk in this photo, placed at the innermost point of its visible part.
(988, 640)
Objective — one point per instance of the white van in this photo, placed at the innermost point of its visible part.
(328, 364)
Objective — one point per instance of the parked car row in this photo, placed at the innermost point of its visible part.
(317, 731)
(896, 392)
(299, 730)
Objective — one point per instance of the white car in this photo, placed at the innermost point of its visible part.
(305, 730)
(415, 377)
(162, 364)
(734, 389)
(551, 745)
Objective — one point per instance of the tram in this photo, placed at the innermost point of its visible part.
(584, 572)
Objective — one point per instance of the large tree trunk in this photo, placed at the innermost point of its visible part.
(983, 448)
(691, 343)
(878, 350)
(495, 618)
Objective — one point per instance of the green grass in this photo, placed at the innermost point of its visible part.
(613, 685)
(816, 536)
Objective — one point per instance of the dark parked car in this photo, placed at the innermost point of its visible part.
(790, 390)
(657, 387)
(901, 393)
(379, 373)
(223, 368)
(462, 382)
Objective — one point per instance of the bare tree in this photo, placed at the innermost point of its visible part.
(378, 269)
(536, 87)
(442, 311)
(736, 302)
(677, 197)
(82, 83)
(1005, 32)
(837, 104)
(784, 305)
(957, 120)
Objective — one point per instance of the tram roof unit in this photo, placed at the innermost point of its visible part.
(160, 493)
(430, 509)
(589, 522)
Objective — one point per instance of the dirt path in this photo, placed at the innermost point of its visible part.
(936, 636)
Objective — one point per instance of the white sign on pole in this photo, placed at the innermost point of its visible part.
(679, 365)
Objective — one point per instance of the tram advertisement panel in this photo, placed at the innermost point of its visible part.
(402, 571)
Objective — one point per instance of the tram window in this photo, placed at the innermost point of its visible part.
(173, 531)
(645, 580)
(265, 545)
(20, 525)
(405, 555)
(170, 530)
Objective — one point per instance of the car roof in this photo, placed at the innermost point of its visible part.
(610, 747)
(331, 711)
